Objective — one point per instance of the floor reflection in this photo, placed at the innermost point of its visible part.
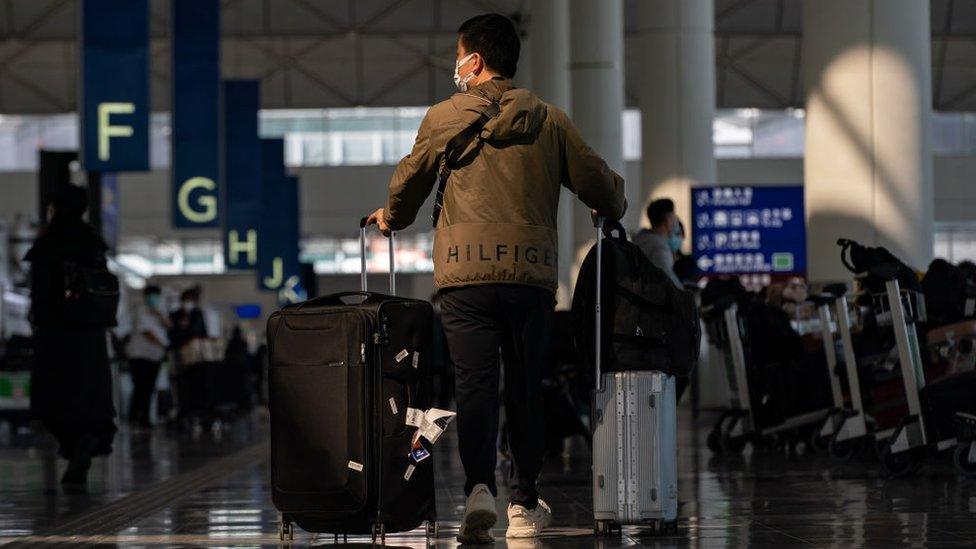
(750, 500)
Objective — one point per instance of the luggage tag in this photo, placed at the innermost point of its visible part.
(402, 355)
(409, 472)
(415, 417)
(434, 424)
(393, 406)
(358, 467)
(416, 359)
(418, 452)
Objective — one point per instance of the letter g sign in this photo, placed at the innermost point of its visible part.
(205, 208)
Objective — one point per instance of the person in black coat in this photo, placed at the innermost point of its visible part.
(71, 385)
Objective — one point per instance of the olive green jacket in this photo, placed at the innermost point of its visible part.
(498, 224)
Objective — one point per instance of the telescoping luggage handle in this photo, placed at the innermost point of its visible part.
(362, 257)
(598, 222)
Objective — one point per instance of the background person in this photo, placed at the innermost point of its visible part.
(663, 239)
(71, 385)
(495, 257)
(146, 350)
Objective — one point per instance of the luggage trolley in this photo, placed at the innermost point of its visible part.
(738, 425)
(900, 448)
(845, 428)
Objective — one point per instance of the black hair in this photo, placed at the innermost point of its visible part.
(151, 289)
(658, 210)
(492, 36)
(71, 201)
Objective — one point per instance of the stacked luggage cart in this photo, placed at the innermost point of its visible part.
(923, 408)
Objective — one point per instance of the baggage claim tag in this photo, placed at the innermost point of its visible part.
(358, 467)
(414, 417)
(416, 359)
(393, 406)
(402, 355)
(418, 452)
(409, 473)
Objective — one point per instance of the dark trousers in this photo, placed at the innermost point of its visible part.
(143, 374)
(480, 321)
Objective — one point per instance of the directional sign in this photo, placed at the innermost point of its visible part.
(196, 136)
(115, 85)
(241, 205)
(749, 230)
(278, 268)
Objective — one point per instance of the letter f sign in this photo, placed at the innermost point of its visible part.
(107, 131)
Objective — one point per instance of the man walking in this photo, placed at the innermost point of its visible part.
(499, 156)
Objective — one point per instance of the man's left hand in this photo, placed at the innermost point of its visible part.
(378, 219)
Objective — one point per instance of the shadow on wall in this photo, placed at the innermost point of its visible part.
(888, 188)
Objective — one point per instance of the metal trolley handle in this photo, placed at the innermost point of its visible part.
(598, 313)
(362, 257)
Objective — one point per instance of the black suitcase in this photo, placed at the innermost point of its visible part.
(343, 371)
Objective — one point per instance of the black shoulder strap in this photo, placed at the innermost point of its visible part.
(453, 151)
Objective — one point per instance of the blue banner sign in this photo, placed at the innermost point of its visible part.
(241, 204)
(278, 266)
(115, 85)
(196, 135)
(749, 230)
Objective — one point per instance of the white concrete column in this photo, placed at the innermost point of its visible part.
(597, 82)
(868, 165)
(677, 101)
(549, 58)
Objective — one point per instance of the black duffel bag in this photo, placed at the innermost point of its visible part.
(648, 322)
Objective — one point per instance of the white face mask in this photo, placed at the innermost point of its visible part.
(462, 84)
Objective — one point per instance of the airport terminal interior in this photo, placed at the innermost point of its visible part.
(184, 192)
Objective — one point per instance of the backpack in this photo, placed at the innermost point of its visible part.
(648, 322)
(879, 264)
(91, 295)
(949, 293)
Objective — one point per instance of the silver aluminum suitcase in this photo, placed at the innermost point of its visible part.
(635, 473)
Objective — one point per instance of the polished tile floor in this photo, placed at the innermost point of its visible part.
(206, 489)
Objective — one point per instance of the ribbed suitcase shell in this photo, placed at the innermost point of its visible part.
(635, 474)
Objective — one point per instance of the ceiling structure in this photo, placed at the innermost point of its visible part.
(341, 53)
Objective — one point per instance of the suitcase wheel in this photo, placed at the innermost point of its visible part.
(431, 531)
(961, 460)
(286, 530)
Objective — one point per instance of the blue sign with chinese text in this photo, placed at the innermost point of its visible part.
(115, 85)
(749, 230)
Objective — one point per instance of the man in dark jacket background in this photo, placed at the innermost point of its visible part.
(71, 385)
(495, 257)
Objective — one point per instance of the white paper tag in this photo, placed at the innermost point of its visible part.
(402, 355)
(435, 422)
(355, 466)
(393, 406)
(415, 417)
(416, 359)
(409, 472)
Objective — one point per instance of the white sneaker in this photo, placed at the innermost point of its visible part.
(479, 517)
(523, 523)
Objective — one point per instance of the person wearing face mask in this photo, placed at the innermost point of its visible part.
(662, 241)
(146, 350)
(192, 375)
(499, 156)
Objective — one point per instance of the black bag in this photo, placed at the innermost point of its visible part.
(879, 264)
(343, 371)
(648, 322)
(943, 399)
(948, 293)
(91, 295)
